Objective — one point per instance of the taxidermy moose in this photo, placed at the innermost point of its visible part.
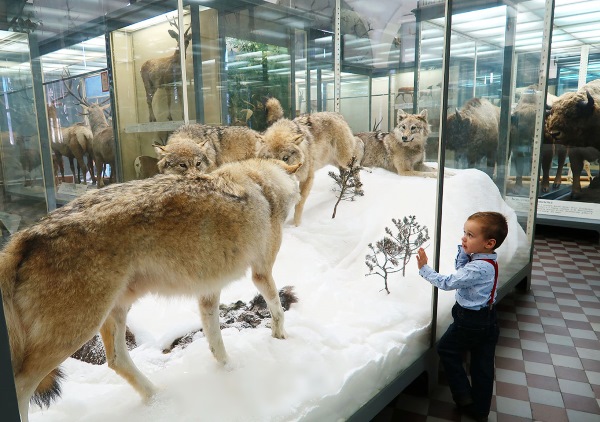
(165, 72)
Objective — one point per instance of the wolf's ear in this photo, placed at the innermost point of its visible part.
(289, 169)
(160, 150)
(298, 139)
(401, 116)
(423, 114)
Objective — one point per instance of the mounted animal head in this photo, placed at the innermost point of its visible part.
(283, 141)
(411, 127)
(574, 119)
(94, 111)
(458, 129)
(184, 157)
(175, 35)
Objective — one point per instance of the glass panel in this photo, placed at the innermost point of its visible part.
(73, 77)
(23, 197)
(569, 192)
(486, 44)
(148, 84)
(399, 130)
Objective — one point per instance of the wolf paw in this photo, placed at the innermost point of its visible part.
(280, 334)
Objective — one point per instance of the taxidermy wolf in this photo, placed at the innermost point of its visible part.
(162, 235)
(218, 145)
(402, 150)
(314, 140)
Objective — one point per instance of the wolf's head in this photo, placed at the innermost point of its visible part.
(411, 127)
(183, 157)
(283, 141)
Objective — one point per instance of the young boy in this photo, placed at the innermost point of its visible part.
(475, 328)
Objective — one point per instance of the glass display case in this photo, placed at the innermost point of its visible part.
(566, 165)
(149, 67)
(77, 105)
(23, 198)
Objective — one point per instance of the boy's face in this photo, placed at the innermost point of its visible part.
(474, 241)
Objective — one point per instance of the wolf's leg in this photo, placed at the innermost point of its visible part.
(117, 355)
(262, 277)
(304, 190)
(209, 313)
(263, 280)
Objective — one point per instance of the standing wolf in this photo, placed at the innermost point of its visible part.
(163, 235)
(402, 150)
(217, 145)
(314, 140)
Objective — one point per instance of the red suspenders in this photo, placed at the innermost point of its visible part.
(495, 264)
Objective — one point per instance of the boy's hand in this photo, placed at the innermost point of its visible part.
(421, 258)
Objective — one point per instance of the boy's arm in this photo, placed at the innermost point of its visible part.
(461, 258)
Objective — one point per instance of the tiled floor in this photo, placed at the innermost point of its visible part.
(548, 354)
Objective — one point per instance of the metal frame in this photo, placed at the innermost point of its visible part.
(427, 362)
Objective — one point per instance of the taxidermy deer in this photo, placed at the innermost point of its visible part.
(103, 142)
(165, 72)
(73, 142)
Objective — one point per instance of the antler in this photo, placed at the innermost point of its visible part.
(67, 76)
(174, 23)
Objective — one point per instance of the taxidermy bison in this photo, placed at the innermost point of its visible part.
(522, 128)
(574, 121)
(473, 132)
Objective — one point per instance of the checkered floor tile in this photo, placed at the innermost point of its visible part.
(548, 354)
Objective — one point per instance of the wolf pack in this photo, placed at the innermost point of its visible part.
(216, 209)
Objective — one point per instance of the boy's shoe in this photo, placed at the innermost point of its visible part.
(470, 411)
(463, 401)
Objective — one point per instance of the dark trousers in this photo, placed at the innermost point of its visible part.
(476, 332)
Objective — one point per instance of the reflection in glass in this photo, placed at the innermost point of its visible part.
(21, 178)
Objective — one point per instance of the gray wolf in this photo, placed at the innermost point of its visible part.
(402, 150)
(574, 121)
(473, 132)
(216, 145)
(314, 140)
(170, 235)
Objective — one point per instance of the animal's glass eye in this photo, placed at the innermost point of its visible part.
(183, 165)
(198, 164)
(286, 158)
(413, 128)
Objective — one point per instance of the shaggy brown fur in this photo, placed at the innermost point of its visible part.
(314, 140)
(216, 145)
(574, 121)
(522, 130)
(473, 132)
(73, 142)
(402, 150)
(274, 111)
(171, 235)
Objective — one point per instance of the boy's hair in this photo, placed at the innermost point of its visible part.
(493, 225)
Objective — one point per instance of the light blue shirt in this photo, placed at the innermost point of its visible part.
(473, 280)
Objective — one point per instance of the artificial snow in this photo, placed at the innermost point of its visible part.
(346, 339)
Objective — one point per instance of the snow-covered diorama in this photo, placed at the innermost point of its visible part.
(347, 338)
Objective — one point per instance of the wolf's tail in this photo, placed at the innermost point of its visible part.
(10, 259)
(274, 110)
(49, 388)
